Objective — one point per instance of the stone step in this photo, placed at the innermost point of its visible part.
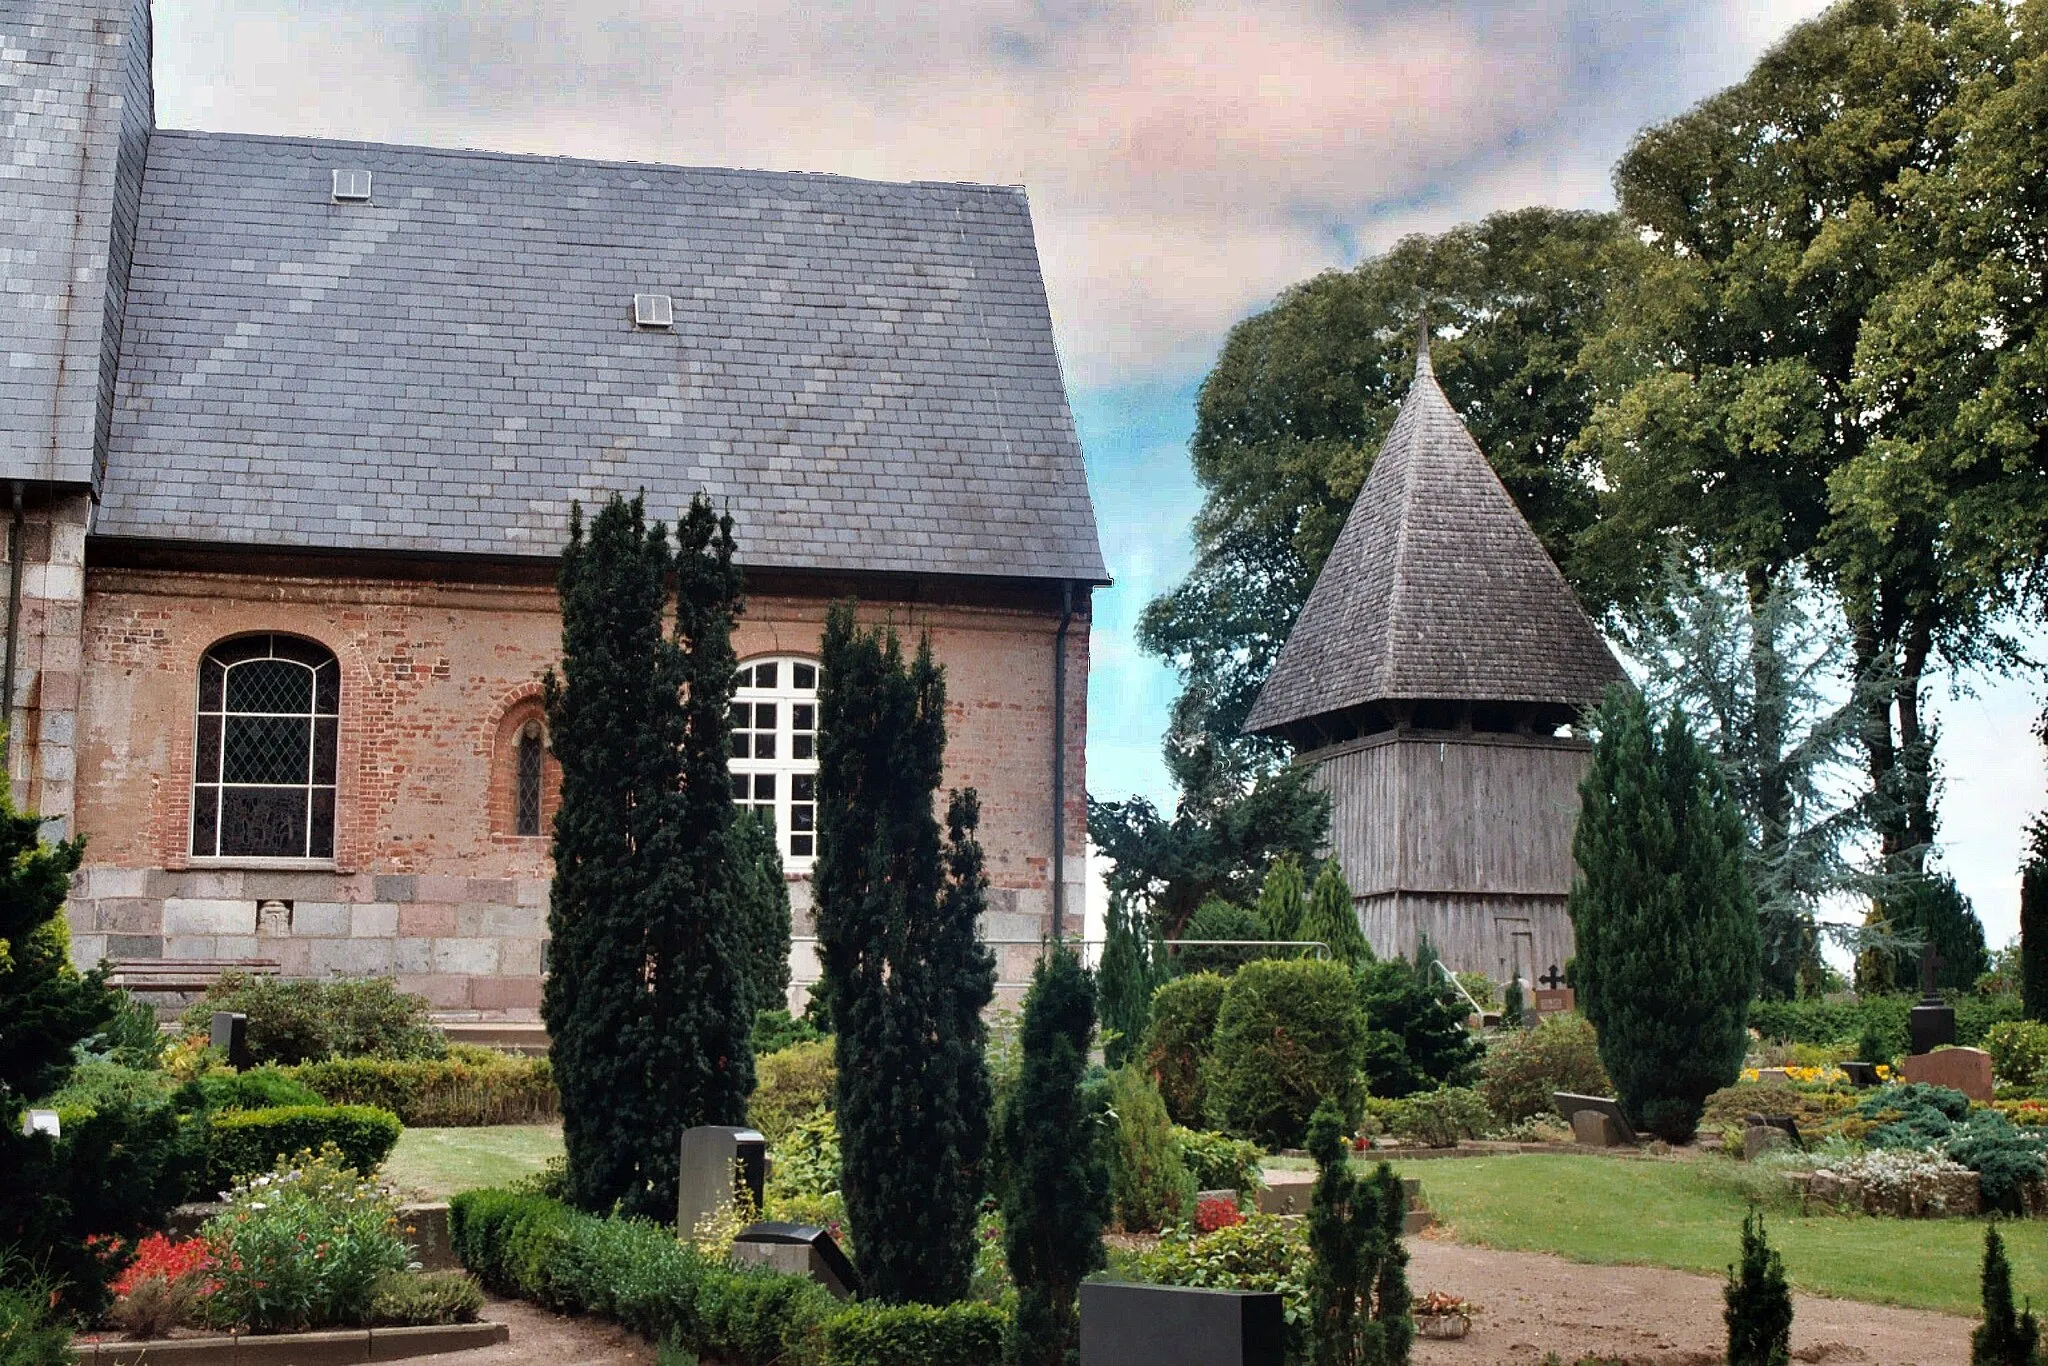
(1287, 1192)
(514, 1036)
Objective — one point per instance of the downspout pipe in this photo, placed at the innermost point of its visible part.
(16, 553)
(1059, 760)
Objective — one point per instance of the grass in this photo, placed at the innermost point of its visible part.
(1687, 1214)
(441, 1162)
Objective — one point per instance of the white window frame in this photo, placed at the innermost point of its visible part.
(784, 766)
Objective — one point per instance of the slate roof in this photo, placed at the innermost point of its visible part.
(864, 373)
(1436, 590)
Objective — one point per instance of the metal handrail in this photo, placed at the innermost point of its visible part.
(1323, 955)
(1458, 986)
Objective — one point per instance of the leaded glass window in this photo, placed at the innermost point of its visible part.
(526, 815)
(264, 765)
(774, 761)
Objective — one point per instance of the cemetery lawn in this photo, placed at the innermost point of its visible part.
(441, 1162)
(1686, 1213)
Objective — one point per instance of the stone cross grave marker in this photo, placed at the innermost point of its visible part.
(1552, 979)
(1554, 997)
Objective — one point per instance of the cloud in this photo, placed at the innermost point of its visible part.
(1187, 159)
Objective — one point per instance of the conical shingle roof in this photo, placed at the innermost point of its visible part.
(1436, 590)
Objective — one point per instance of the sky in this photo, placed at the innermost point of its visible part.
(1186, 160)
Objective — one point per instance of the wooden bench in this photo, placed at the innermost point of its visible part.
(182, 976)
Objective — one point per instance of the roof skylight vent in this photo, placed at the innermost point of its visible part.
(653, 310)
(351, 187)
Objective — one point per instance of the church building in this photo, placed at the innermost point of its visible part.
(289, 433)
(1431, 681)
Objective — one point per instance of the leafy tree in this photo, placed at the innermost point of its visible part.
(904, 965)
(2005, 1338)
(1281, 898)
(1332, 918)
(1665, 927)
(1743, 415)
(2034, 922)
(1415, 1032)
(1226, 831)
(1058, 1195)
(1759, 1302)
(1930, 910)
(1133, 966)
(1289, 420)
(1754, 677)
(1358, 1302)
(764, 910)
(644, 1001)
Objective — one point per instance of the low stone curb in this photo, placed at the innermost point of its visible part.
(297, 1349)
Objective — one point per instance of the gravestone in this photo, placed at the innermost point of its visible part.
(798, 1250)
(1932, 1023)
(231, 1037)
(1552, 996)
(1123, 1324)
(1571, 1106)
(1960, 1069)
(1861, 1074)
(718, 1163)
(41, 1122)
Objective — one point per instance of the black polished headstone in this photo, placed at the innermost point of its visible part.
(827, 1263)
(1170, 1325)
(231, 1037)
(1932, 1025)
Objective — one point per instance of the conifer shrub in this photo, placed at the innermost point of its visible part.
(1416, 1038)
(1218, 919)
(1289, 1035)
(1930, 908)
(1524, 1069)
(1133, 966)
(1513, 1013)
(1758, 1302)
(646, 1000)
(1179, 1043)
(1058, 1193)
(1358, 1301)
(898, 907)
(1283, 898)
(1331, 918)
(1150, 1185)
(1666, 927)
(2006, 1337)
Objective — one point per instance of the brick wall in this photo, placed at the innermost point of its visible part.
(428, 882)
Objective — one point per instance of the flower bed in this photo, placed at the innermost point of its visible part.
(1902, 1184)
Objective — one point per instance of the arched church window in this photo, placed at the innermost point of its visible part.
(775, 751)
(266, 752)
(526, 801)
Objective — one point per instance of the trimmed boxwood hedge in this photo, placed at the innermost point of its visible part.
(249, 1141)
(471, 1086)
(638, 1275)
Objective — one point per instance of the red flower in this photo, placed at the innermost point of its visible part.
(157, 1255)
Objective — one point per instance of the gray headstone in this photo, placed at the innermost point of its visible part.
(231, 1037)
(1136, 1325)
(1570, 1104)
(798, 1250)
(1592, 1129)
(718, 1162)
(1758, 1139)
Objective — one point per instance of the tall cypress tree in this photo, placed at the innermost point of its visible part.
(904, 966)
(1058, 1194)
(765, 921)
(644, 1000)
(2034, 922)
(1332, 919)
(1281, 898)
(1668, 948)
(1133, 966)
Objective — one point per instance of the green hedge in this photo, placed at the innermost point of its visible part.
(639, 1276)
(470, 1087)
(1826, 1022)
(246, 1141)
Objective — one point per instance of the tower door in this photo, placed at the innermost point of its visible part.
(1515, 947)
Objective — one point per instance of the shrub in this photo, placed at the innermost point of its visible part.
(1149, 1182)
(774, 1031)
(791, 1085)
(1219, 1162)
(471, 1086)
(1758, 1302)
(130, 1037)
(1264, 1252)
(1443, 1117)
(1288, 1036)
(303, 1245)
(1836, 1021)
(258, 1088)
(2004, 1338)
(637, 1274)
(1217, 919)
(293, 1021)
(2019, 1051)
(1415, 1031)
(1331, 917)
(164, 1286)
(250, 1141)
(30, 1332)
(410, 1299)
(898, 1334)
(805, 1161)
(1178, 1045)
(1522, 1070)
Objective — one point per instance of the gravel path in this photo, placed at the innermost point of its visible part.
(1645, 1316)
(543, 1339)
